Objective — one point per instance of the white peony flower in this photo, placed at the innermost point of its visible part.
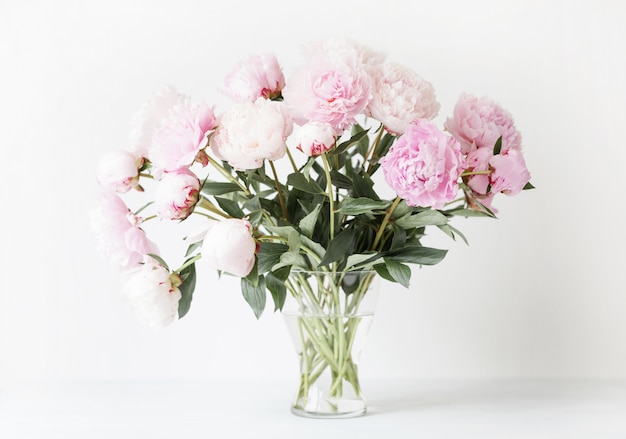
(400, 96)
(249, 133)
(118, 171)
(153, 296)
(145, 123)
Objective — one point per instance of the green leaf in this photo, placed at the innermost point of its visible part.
(341, 246)
(219, 188)
(159, 259)
(254, 295)
(253, 276)
(399, 237)
(401, 210)
(269, 255)
(422, 219)
(230, 207)
(364, 187)
(452, 232)
(253, 203)
(469, 213)
(498, 146)
(293, 240)
(528, 186)
(356, 206)
(356, 260)
(255, 218)
(356, 138)
(192, 248)
(316, 247)
(291, 258)
(275, 282)
(382, 271)
(416, 254)
(399, 272)
(186, 288)
(385, 144)
(307, 224)
(299, 181)
(340, 180)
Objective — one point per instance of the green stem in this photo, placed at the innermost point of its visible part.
(331, 199)
(383, 225)
(212, 208)
(227, 175)
(469, 173)
(292, 161)
(278, 190)
(373, 148)
(189, 262)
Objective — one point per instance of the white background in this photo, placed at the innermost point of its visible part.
(539, 293)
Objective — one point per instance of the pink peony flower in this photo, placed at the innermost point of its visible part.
(229, 246)
(478, 161)
(145, 123)
(177, 194)
(331, 88)
(479, 122)
(315, 138)
(154, 296)
(424, 165)
(181, 135)
(510, 174)
(118, 171)
(251, 132)
(255, 77)
(400, 96)
(117, 232)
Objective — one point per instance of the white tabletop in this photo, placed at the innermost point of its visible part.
(397, 409)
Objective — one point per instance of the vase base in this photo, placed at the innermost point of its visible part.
(328, 415)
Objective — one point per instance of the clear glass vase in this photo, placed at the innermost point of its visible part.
(328, 315)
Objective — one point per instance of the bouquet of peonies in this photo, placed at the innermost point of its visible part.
(284, 179)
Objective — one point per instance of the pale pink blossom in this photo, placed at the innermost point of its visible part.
(251, 132)
(424, 165)
(510, 174)
(347, 49)
(315, 138)
(400, 96)
(118, 170)
(145, 122)
(329, 88)
(181, 136)
(479, 122)
(254, 77)
(152, 293)
(118, 233)
(176, 194)
(229, 247)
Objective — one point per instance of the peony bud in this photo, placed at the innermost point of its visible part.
(177, 194)
(229, 246)
(118, 171)
(315, 138)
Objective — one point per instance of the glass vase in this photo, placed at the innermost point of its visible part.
(328, 315)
